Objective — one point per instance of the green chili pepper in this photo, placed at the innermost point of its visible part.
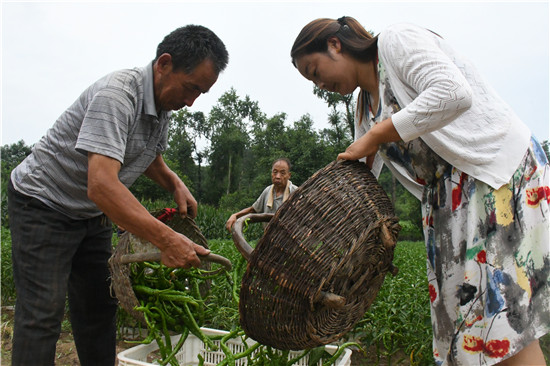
(339, 352)
(194, 328)
(176, 349)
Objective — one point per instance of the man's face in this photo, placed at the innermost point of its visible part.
(175, 90)
(280, 174)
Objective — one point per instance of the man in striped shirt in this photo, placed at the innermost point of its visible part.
(63, 196)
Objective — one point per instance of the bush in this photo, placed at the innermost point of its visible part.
(222, 310)
(236, 201)
(410, 231)
(399, 318)
(8, 287)
(211, 222)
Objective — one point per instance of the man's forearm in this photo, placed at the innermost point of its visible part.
(119, 204)
(159, 172)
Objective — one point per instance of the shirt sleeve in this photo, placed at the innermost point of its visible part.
(439, 91)
(259, 205)
(106, 124)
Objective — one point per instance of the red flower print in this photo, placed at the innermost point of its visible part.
(469, 323)
(457, 192)
(428, 221)
(497, 348)
(472, 343)
(528, 176)
(482, 257)
(433, 293)
(535, 195)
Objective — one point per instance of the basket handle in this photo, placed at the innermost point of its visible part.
(155, 257)
(386, 237)
(237, 231)
(389, 241)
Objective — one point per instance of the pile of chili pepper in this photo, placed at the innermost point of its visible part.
(173, 302)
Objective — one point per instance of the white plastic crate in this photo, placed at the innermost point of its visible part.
(187, 355)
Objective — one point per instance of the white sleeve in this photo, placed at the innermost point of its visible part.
(412, 57)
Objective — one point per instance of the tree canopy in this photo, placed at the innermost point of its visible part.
(225, 156)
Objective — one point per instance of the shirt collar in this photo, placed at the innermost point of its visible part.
(149, 91)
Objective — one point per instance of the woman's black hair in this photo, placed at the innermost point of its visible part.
(355, 39)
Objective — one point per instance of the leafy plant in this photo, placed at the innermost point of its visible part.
(211, 222)
(409, 231)
(399, 318)
(8, 287)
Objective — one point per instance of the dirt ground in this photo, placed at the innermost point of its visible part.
(66, 350)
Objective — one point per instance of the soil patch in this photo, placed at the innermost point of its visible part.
(65, 352)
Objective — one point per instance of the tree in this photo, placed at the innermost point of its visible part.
(406, 206)
(270, 142)
(306, 151)
(334, 100)
(337, 138)
(228, 123)
(185, 130)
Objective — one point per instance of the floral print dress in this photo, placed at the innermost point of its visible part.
(488, 250)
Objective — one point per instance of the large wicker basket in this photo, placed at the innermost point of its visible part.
(132, 249)
(321, 261)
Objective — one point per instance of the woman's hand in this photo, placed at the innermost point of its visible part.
(367, 145)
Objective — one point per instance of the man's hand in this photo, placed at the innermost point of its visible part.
(230, 222)
(182, 253)
(167, 179)
(245, 211)
(187, 205)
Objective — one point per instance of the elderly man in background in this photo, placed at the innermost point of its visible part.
(273, 196)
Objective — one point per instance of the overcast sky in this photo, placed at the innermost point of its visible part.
(52, 51)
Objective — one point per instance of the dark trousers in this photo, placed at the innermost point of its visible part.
(55, 257)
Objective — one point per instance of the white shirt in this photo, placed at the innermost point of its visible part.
(449, 105)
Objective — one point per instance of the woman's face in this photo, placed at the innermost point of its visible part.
(332, 70)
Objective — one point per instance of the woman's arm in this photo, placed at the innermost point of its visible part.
(367, 145)
(429, 86)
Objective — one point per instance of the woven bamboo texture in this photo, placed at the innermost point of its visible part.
(326, 238)
(121, 278)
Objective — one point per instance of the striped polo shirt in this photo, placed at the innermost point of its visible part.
(115, 117)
